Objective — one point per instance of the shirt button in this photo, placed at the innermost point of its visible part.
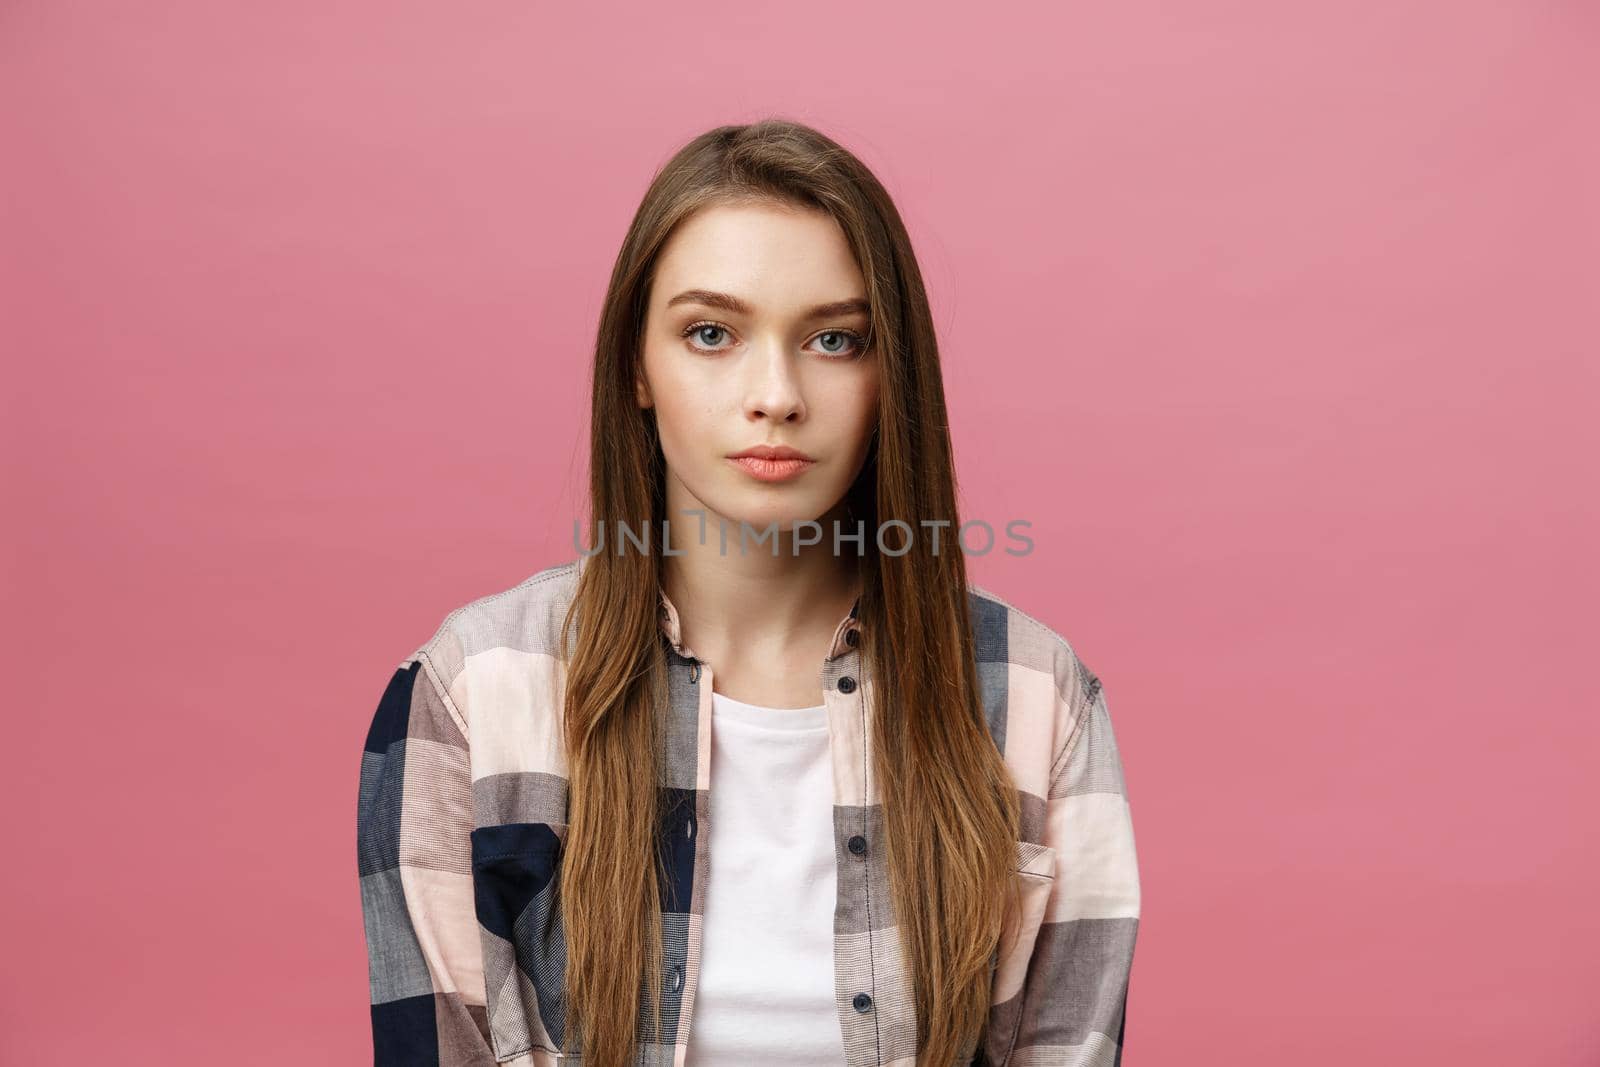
(847, 684)
(862, 1002)
(852, 638)
(677, 977)
(858, 845)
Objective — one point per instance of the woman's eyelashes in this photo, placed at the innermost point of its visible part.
(837, 343)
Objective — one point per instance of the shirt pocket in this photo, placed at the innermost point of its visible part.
(515, 882)
(1033, 879)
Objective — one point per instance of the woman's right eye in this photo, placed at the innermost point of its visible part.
(702, 335)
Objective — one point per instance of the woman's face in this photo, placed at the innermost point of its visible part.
(753, 337)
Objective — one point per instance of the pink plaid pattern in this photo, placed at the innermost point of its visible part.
(461, 827)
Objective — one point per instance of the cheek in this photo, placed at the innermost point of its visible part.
(668, 387)
(858, 409)
(685, 420)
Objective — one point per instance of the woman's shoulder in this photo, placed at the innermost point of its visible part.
(1048, 688)
(523, 620)
(513, 615)
(493, 661)
(1005, 632)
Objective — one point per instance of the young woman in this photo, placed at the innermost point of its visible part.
(758, 777)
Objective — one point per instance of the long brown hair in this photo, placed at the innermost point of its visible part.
(950, 804)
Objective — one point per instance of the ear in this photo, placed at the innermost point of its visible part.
(641, 390)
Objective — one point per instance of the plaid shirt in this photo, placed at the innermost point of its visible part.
(461, 823)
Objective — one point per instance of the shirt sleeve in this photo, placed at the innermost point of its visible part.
(1074, 1001)
(413, 840)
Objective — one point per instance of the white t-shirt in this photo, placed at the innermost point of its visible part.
(766, 990)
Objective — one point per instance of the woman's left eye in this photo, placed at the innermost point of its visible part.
(852, 340)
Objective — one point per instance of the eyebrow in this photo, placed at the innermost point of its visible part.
(733, 304)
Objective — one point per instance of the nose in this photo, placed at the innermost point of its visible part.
(772, 383)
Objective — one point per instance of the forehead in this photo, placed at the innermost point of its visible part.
(775, 257)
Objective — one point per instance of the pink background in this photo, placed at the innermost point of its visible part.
(1276, 320)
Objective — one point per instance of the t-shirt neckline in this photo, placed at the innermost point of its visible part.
(789, 719)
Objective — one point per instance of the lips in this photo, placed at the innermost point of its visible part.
(787, 463)
(782, 452)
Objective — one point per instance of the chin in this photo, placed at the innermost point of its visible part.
(786, 515)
